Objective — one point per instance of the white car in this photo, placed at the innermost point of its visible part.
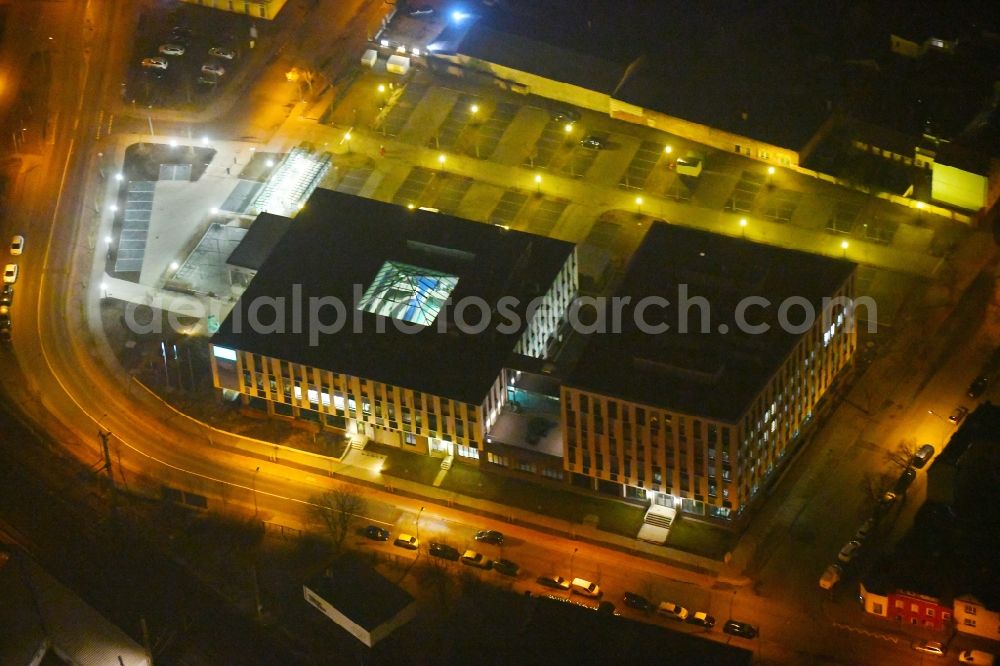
(171, 49)
(10, 274)
(830, 577)
(17, 245)
(214, 70)
(154, 63)
(848, 552)
(219, 52)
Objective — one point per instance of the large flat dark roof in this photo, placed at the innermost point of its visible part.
(360, 593)
(712, 374)
(260, 241)
(338, 241)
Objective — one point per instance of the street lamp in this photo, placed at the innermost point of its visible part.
(254, 484)
(441, 159)
(119, 177)
(418, 522)
(843, 246)
(638, 205)
(538, 183)
(668, 149)
(743, 226)
(347, 138)
(571, 557)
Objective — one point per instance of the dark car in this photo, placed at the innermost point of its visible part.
(506, 567)
(555, 582)
(959, 414)
(701, 619)
(637, 601)
(923, 454)
(444, 551)
(7, 296)
(607, 608)
(593, 142)
(565, 116)
(490, 536)
(377, 533)
(742, 629)
(904, 481)
(978, 386)
(422, 10)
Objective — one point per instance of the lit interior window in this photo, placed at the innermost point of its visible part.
(224, 353)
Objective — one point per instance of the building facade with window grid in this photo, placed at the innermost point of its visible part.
(403, 371)
(700, 421)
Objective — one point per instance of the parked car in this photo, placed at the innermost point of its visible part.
(17, 245)
(10, 274)
(922, 456)
(976, 657)
(741, 629)
(637, 601)
(959, 414)
(848, 552)
(5, 322)
(933, 648)
(171, 49)
(586, 588)
(490, 536)
(154, 63)
(208, 81)
(406, 541)
(420, 10)
(376, 533)
(701, 619)
(220, 52)
(5, 335)
(555, 582)
(888, 497)
(7, 295)
(865, 529)
(213, 69)
(506, 567)
(831, 576)
(904, 480)
(474, 559)
(607, 608)
(565, 116)
(593, 142)
(672, 610)
(978, 386)
(444, 551)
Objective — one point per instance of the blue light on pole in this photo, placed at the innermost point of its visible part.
(458, 16)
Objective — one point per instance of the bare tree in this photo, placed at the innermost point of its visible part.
(902, 455)
(335, 509)
(875, 484)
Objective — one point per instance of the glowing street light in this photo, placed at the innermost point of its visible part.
(743, 226)
(474, 109)
(119, 177)
(108, 240)
(269, 163)
(668, 149)
(347, 138)
(458, 16)
(381, 87)
(113, 208)
(173, 143)
(441, 159)
(538, 183)
(843, 246)
(568, 127)
(638, 204)
(213, 211)
(204, 140)
(770, 171)
(174, 265)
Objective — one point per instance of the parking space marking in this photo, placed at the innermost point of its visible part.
(452, 191)
(547, 215)
(508, 207)
(413, 187)
(403, 108)
(845, 214)
(643, 162)
(493, 129)
(135, 226)
(456, 121)
(353, 180)
(745, 192)
(780, 205)
(552, 137)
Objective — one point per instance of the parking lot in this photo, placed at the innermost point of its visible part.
(175, 46)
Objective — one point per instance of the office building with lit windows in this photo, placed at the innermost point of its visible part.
(406, 359)
(698, 421)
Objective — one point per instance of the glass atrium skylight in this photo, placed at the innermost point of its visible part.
(408, 293)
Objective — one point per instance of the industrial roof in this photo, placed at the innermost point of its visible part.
(360, 593)
(339, 245)
(714, 374)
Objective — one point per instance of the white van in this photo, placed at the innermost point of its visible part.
(585, 587)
